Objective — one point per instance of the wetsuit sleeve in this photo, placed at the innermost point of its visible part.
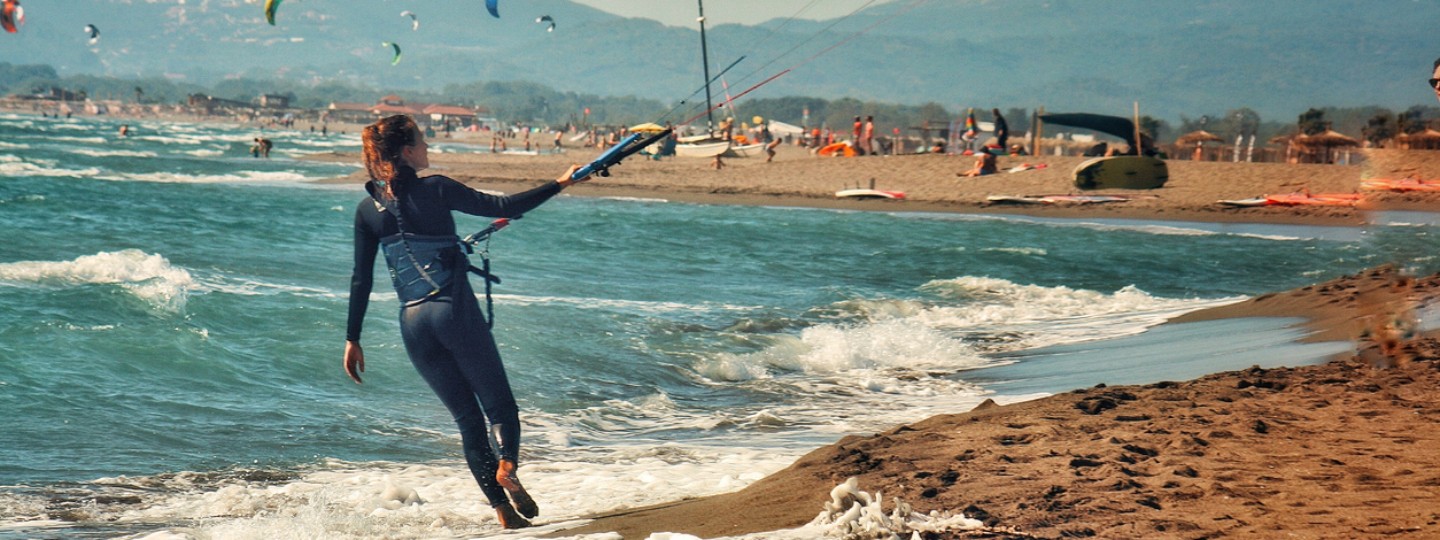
(461, 198)
(362, 278)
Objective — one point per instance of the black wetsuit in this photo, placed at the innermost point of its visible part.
(447, 337)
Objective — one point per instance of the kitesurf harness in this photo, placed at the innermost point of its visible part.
(425, 267)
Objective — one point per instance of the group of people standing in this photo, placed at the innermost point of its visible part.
(864, 136)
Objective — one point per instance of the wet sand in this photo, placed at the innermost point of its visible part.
(1338, 450)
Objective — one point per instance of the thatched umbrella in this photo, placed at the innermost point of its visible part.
(1421, 140)
(1197, 139)
(1322, 144)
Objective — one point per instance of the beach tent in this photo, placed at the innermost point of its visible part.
(1117, 126)
(781, 128)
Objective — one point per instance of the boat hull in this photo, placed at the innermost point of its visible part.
(702, 150)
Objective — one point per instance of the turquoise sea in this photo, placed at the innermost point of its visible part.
(172, 317)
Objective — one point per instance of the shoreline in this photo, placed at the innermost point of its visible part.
(1249, 453)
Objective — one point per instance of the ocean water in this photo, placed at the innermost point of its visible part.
(172, 318)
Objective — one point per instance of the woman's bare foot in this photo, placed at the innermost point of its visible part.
(505, 475)
(509, 519)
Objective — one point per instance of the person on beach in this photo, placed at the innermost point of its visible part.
(856, 132)
(409, 219)
(1002, 129)
(984, 164)
(867, 136)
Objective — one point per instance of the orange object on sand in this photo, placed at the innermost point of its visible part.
(839, 148)
(1401, 184)
(1313, 199)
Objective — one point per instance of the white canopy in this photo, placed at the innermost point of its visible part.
(781, 128)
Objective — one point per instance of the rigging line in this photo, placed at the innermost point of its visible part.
(792, 18)
(902, 11)
(686, 100)
(737, 96)
(758, 46)
(809, 39)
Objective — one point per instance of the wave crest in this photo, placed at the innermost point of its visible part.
(148, 276)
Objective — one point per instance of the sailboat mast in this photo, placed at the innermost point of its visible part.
(705, 61)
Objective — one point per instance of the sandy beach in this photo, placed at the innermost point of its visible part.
(1334, 450)
(930, 184)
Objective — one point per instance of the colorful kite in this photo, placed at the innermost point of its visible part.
(12, 16)
(395, 46)
(270, 7)
(493, 7)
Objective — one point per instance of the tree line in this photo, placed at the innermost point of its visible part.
(533, 103)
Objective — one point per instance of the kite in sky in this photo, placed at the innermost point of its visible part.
(414, 22)
(93, 32)
(546, 18)
(270, 7)
(12, 15)
(395, 46)
(493, 7)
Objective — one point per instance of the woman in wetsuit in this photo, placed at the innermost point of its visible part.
(408, 219)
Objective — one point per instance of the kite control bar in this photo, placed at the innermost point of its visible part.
(485, 234)
(601, 166)
(630, 145)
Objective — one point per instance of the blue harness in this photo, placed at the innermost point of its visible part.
(425, 267)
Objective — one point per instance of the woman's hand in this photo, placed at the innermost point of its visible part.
(565, 181)
(354, 361)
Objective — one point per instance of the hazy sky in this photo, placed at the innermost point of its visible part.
(683, 12)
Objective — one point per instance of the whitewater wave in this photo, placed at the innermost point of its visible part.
(148, 276)
(22, 168)
(239, 177)
(966, 319)
(381, 499)
(110, 153)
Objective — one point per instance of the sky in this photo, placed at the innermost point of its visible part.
(683, 12)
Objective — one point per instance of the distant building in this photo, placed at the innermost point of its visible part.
(424, 113)
(358, 113)
(211, 104)
(274, 101)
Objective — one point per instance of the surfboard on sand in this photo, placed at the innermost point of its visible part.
(1254, 201)
(862, 193)
(1056, 199)
(1121, 172)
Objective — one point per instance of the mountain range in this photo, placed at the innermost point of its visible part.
(1278, 57)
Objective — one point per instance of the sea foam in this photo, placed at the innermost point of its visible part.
(148, 276)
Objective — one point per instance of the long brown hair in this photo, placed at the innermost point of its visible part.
(383, 141)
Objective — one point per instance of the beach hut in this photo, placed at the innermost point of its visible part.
(1196, 139)
(1321, 146)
